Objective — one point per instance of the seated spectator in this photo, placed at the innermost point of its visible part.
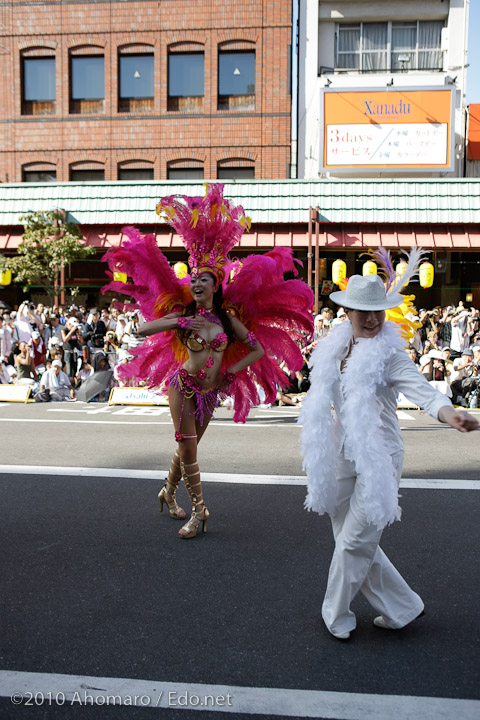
(413, 355)
(120, 328)
(438, 368)
(57, 383)
(447, 353)
(466, 378)
(130, 338)
(100, 364)
(4, 374)
(111, 347)
(320, 328)
(341, 317)
(124, 357)
(26, 373)
(83, 374)
(37, 350)
(56, 353)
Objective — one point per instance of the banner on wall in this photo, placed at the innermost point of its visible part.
(407, 129)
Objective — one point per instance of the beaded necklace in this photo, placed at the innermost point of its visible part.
(205, 312)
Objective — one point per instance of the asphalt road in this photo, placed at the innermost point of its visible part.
(96, 582)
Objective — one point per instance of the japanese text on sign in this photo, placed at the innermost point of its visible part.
(389, 144)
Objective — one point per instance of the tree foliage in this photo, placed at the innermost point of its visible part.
(48, 244)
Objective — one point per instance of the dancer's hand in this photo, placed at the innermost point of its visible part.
(458, 419)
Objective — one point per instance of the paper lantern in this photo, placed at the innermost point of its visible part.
(5, 277)
(339, 271)
(369, 268)
(401, 267)
(426, 274)
(120, 277)
(180, 269)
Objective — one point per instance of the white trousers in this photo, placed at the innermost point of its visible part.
(359, 564)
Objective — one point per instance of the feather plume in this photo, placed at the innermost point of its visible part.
(415, 257)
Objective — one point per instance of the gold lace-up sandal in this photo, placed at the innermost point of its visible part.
(200, 513)
(169, 490)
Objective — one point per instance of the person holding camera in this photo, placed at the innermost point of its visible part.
(72, 344)
(95, 331)
(26, 322)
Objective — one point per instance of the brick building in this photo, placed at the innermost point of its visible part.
(140, 89)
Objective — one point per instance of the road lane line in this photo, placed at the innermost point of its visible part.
(105, 421)
(77, 690)
(232, 478)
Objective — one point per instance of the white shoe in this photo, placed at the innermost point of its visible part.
(339, 636)
(380, 622)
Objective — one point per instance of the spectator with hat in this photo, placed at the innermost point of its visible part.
(57, 383)
(465, 377)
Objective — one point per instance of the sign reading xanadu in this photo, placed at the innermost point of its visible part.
(403, 129)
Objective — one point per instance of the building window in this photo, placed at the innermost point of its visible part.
(417, 46)
(39, 176)
(38, 92)
(236, 80)
(235, 170)
(80, 175)
(377, 47)
(185, 81)
(136, 93)
(185, 170)
(135, 173)
(87, 83)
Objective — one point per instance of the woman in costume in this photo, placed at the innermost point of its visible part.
(354, 459)
(222, 331)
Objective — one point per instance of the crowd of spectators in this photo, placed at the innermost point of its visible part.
(445, 348)
(56, 350)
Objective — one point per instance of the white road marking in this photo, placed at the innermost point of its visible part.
(77, 690)
(232, 478)
(249, 425)
(402, 415)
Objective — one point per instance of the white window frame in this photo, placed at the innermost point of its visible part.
(361, 51)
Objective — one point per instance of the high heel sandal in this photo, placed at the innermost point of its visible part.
(200, 513)
(168, 492)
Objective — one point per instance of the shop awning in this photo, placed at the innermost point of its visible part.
(435, 237)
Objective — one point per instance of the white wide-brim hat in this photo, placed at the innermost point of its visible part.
(366, 293)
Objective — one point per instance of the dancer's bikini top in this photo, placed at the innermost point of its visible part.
(197, 343)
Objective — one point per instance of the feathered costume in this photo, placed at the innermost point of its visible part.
(363, 442)
(278, 311)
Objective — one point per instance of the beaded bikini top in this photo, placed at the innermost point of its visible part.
(197, 343)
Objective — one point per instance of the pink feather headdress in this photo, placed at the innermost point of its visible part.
(210, 227)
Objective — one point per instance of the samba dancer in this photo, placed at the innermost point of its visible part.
(220, 332)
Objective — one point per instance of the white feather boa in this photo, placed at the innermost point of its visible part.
(364, 442)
